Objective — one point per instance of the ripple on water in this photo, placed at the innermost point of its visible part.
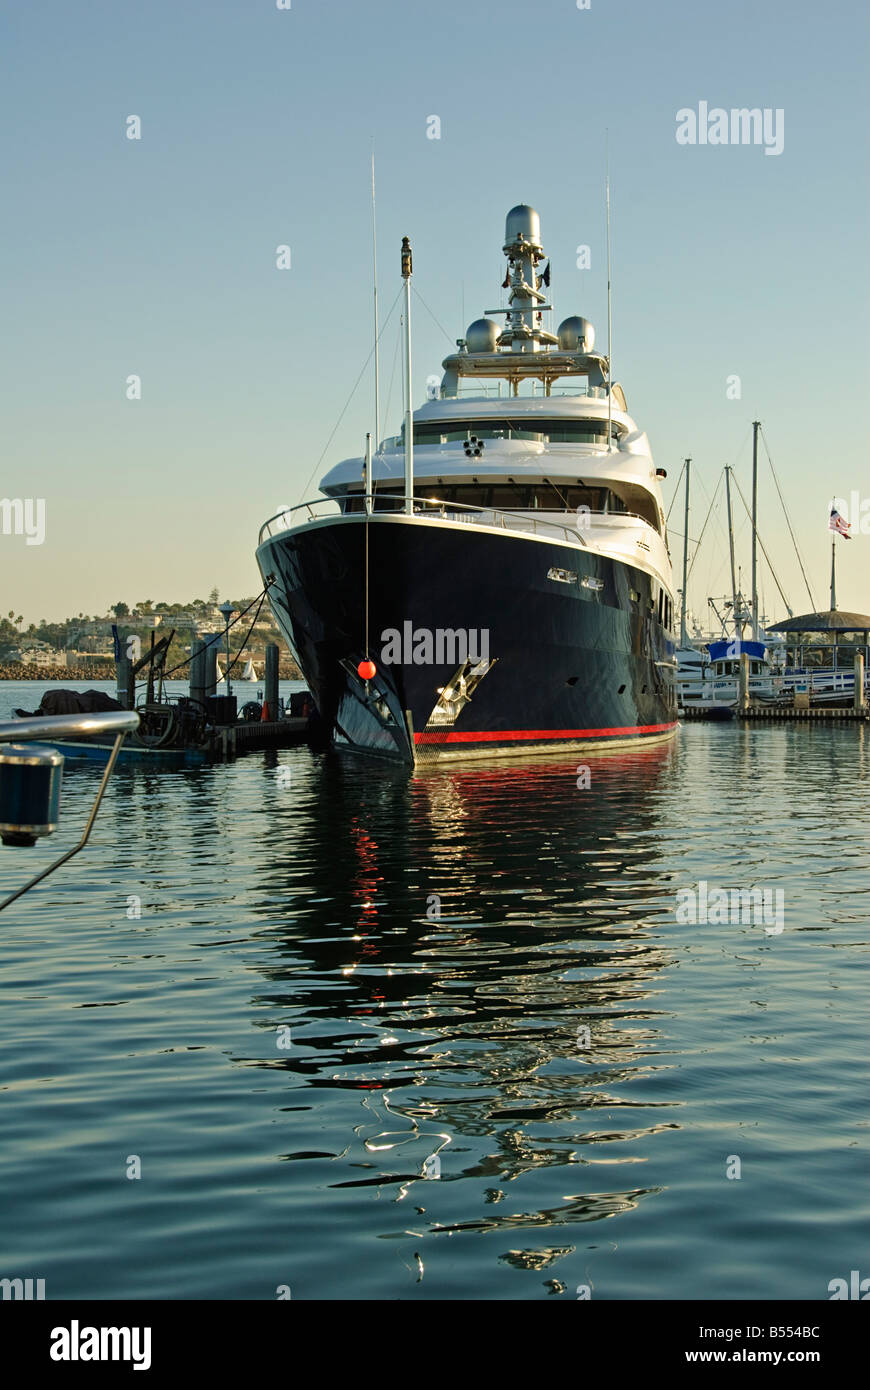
(330, 986)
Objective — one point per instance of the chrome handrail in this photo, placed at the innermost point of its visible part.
(68, 725)
(501, 518)
(117, 722)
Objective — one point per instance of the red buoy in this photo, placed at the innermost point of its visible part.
(366, 670)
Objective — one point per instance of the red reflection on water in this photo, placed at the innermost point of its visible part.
(364, 883)
(477, 788)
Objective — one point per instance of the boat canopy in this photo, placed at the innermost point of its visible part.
(734, 647)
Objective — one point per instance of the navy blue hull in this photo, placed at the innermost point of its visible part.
(568, 664)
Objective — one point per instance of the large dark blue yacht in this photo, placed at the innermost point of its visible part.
(495, 579)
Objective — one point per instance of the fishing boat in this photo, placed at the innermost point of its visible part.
(496, 578)
(714, 687)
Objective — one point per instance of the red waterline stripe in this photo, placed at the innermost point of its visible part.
(515, 735)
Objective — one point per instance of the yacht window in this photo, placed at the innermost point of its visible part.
(552, 431)
(386, 500)
(454, 431)
(518, 497)
(583, 432)
(474, 496)
(389, 499)
(505, 498)
(543, 495)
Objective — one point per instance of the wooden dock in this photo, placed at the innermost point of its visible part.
(770, 714)
(233, 739)
(815, 714)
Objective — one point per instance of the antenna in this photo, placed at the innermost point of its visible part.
(609, 312)
(375, 281)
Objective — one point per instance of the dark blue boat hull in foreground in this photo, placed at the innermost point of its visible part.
(483, 644)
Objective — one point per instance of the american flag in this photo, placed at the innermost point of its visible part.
(836, 523)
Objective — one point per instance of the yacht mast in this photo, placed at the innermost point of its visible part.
(409, 414)
(375, 283)
(610, 325)
(685, 558)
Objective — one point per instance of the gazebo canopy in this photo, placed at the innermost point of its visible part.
(834, 621)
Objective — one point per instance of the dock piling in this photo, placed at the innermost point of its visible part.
(197, 670)
(124, 683)
(271, 680)
(743, 691)
(209, 666)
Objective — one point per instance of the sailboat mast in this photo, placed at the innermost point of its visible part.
(756, 426)
(683, 638)
(738, 624)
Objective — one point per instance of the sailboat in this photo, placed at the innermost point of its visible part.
(708, 672)
(779, 672)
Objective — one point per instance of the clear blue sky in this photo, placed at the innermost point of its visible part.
(157, 256)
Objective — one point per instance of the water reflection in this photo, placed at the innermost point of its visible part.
(442, 1125)
(480, 961)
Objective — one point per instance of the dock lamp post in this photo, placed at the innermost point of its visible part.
(227, 610)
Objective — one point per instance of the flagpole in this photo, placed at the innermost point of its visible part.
(833, 574)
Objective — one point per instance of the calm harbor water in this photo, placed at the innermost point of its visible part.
(480, 969)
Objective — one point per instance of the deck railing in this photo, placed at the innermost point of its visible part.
(457, 512)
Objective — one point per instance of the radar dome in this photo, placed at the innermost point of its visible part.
(576, 334)
(482, 335)
(522, 219)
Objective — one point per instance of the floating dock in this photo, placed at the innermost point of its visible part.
(769, 714)
(231, 739)
(224, 742)
(814, 714)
